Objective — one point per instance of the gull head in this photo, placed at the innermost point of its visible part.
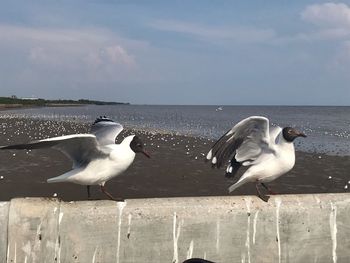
(289, 134)
(137, 146)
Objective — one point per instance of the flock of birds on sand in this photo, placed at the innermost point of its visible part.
(97, 157)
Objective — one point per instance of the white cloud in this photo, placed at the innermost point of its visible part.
(333, 24)
(332, 21)
(336, 15)
(215, 33)
(96, 53)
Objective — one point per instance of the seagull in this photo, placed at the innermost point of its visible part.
(269, 152)
(96, 156)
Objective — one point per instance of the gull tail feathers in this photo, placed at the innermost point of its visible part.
(57, 179)
(236, 185)
(63, 177)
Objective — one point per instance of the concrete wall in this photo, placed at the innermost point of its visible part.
(290, 228)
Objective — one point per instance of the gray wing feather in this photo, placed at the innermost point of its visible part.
(275, 131)
(106, 130)
(81, 148)
(245, 141)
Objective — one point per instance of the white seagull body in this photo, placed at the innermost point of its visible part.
(96, 157)
(106, 162)
(269, 153)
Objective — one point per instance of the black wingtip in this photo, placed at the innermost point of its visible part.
(14, 147)
(229, 175)
(102, 118)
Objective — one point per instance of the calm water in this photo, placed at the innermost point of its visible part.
(328, 128)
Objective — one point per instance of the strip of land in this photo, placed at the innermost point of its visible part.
(13, 102)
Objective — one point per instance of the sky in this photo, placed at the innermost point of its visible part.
(253, 52)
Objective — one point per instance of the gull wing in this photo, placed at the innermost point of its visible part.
(243, 143)
(81, 148)
(106, 130)
(274, 134)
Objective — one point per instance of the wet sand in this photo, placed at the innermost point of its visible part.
(177, 167)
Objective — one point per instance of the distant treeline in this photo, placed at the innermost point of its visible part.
(43, 102)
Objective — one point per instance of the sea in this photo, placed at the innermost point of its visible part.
(327, 128)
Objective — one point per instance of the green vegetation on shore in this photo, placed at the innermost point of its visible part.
(25, 102)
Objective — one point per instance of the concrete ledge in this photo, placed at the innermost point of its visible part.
(290, 228)
(4, 216)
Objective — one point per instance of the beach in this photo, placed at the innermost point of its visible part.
(176, 169)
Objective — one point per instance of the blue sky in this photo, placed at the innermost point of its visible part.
(178, 52)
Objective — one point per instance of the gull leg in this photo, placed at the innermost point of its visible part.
(268, 189)
(265, 198)
(88, 191)
(103, 189)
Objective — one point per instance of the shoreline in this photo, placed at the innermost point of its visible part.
(4, 107)
(176, 169)
(15, 106)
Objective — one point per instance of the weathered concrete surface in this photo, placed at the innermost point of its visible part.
(290, 228)
(32, 230)
(4, 215)
(89, 231)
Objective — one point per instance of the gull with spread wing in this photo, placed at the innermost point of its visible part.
(269, 152)
(96, 156)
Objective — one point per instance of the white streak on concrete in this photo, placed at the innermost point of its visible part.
(176, 235)
(190, 250)
(27, 249)
(38, 230)
(120, 206)
(60, 217)
(94, 256)
(129, 225)
(315, 257)
(205, 255)
(317, 200)
(8, 252)
(278, 205)
(25, 259)
(55, 209)
(298, 201)
(247, 242)
(254, 224)
(31, 251)
(217, 245)
(15, 259)
(333, 228)
(58, 250)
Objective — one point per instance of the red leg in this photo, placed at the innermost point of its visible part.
(262, 197)
(268, 189)
(103, 189)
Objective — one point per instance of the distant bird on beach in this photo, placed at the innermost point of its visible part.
(96, 156)
(269, 152)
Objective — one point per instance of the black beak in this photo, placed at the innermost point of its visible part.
(300, 134)
(146, 154)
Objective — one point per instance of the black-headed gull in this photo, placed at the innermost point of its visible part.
(96, 156)
(269, 152)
